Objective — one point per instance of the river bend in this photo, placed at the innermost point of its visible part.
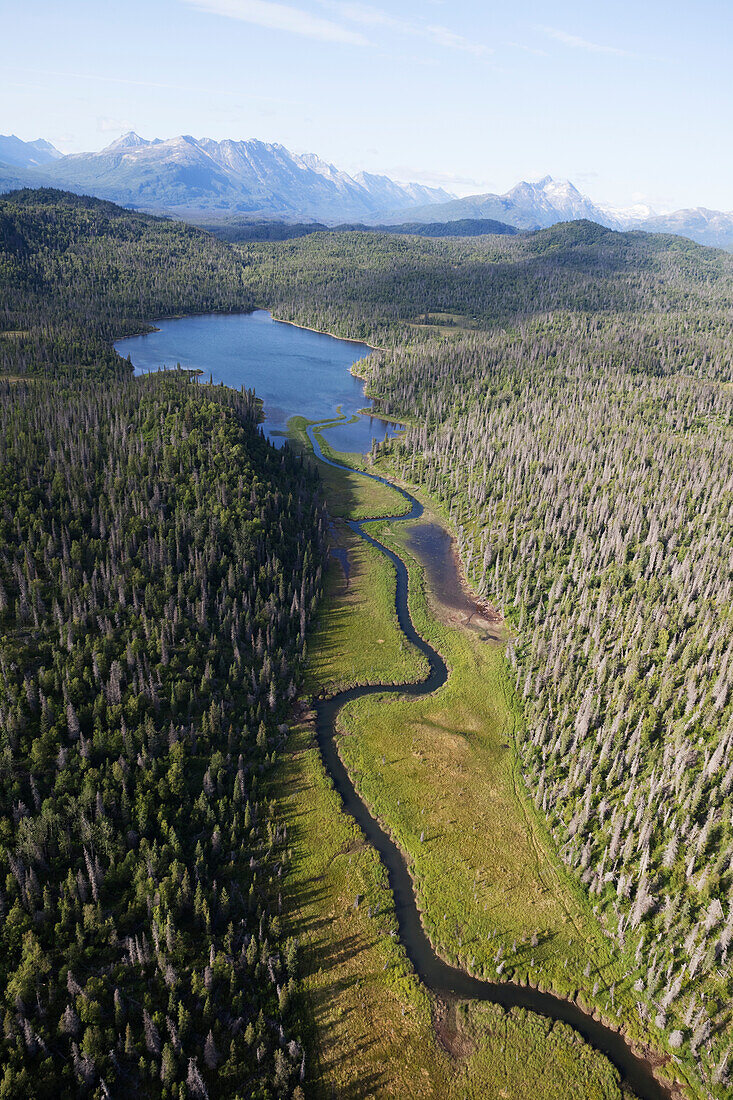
(444, 980)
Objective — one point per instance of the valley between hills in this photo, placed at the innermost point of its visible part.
(479, 858)
(188, 910)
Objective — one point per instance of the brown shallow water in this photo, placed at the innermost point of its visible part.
(435, 550)
(450, 983)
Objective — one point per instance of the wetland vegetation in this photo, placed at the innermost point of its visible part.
(340, 884)
(563, 801)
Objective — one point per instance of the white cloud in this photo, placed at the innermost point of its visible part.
(367, 16)
(529, 49)
(282, 17)
(445, 37)
(578, 43)
(112, 125)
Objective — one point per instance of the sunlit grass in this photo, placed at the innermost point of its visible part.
(356, 639)
(450, 756)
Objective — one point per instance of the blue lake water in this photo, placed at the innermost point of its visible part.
(293, 370)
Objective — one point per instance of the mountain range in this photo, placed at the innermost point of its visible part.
(548, 201)
(187, 176)
(526, 206)
(26, 154)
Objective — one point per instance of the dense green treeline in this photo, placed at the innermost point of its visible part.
(651, 303)
(580, 437)
(593, 505)
(159, 563)
(77, 273)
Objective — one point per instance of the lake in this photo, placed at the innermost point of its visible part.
(293, 370)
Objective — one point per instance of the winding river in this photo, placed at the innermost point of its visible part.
(296, 370)
(446, 981)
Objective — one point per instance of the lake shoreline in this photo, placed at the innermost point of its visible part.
(325, 332)
(295, 369)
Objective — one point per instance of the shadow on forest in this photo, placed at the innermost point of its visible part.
(571, 267)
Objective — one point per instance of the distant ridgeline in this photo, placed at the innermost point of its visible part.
(159, 563)
(77, 273)
(379, 287)
(571, 401)
(235, 229)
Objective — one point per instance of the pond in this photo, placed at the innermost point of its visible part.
(293, 370)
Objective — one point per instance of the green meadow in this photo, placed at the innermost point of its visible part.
(441, 773)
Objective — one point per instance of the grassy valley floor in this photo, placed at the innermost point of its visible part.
(493, 895)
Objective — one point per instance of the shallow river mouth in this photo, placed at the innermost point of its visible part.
(446, 981)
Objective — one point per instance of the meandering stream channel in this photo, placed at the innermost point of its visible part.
(446, 981)
(296, 370)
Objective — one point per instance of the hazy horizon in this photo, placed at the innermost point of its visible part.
(628, 104)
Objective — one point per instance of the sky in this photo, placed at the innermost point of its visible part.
(631, 101)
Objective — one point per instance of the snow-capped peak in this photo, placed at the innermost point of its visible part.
(130, 140)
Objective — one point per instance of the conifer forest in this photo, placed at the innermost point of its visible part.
(568, 401)
(159, 564)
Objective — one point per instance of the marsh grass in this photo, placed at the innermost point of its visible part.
(349, 495)
(518, 1055)
(371, 1018)
(356, 638)
(443, 767)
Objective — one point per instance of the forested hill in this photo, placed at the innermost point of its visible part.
(240, 229)
(159, 561)
(383, 288)
(76, 273)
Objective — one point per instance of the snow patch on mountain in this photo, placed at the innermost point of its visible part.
(186, 174)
